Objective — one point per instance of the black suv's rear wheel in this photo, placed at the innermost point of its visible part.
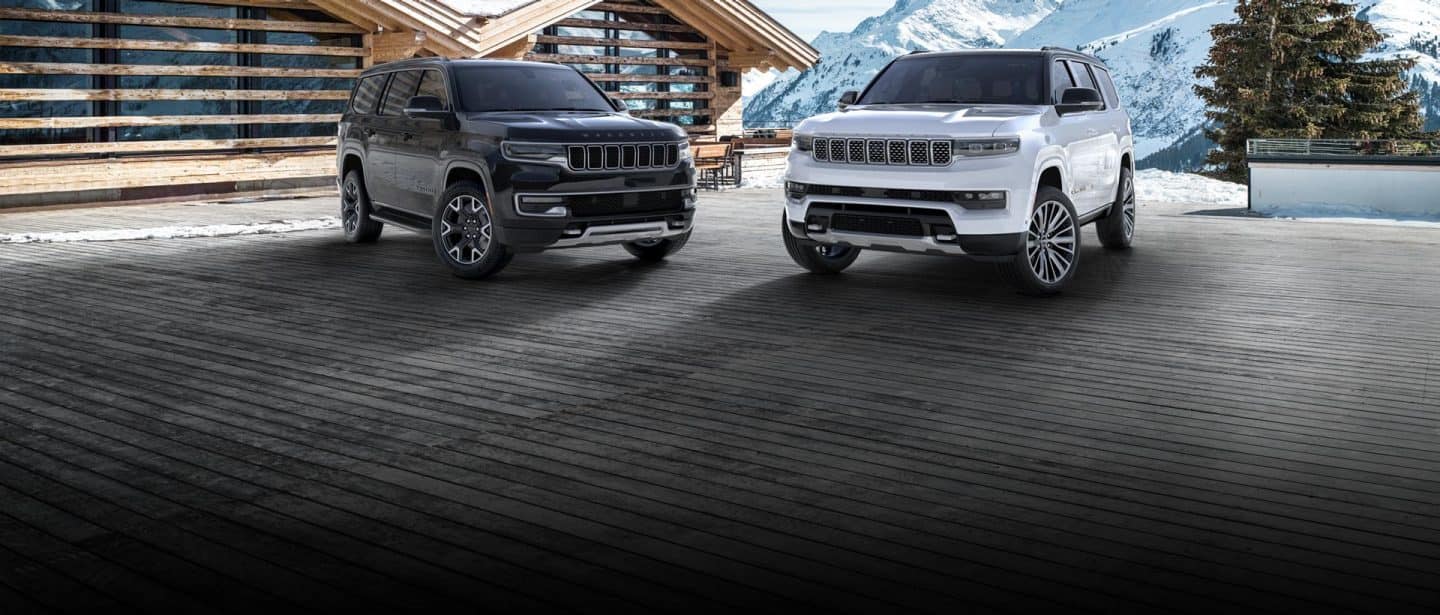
(463, 231)
(655, 250)
(355, 210)
(1117, 229)
(1052, 246)
(818, 258)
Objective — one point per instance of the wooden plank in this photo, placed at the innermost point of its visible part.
(15, 95)
(649, 78)
(132, 44)
(559, 58)
(619, 7)
(671, 112)
(619, 42)
(68, 68)
(48, 177)
(601, 24)
(274, 25)
(172, 145)
(64, 123)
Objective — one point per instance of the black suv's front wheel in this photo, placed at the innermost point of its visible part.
(655, 250)
(463, 231)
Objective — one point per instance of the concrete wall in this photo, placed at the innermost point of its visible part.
(1399, 191)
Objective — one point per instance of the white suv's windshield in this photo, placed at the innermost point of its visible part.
(994, 79)
(527, 88)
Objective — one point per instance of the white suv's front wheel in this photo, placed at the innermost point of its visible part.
(1051, 253)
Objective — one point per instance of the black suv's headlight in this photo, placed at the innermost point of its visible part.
(551, 153)
(979, 148)
(803, 143)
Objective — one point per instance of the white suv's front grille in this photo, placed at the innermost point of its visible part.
(907, 152)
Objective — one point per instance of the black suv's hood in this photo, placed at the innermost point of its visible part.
(577, 126)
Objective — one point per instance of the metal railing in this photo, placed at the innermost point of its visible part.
(1329, 148)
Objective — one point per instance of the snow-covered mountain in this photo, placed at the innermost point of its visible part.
(1152, 47)
(850, 60)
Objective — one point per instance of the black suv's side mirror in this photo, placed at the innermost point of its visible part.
(849, 98)
(426, 108)
(1079, 100)
(619, 105)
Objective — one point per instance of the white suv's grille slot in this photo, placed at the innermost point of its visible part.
(622, 156)
(916, 152)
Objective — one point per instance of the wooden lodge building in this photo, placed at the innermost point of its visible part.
(120, 100)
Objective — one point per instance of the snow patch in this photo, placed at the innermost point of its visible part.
(485, 8)
(1347, 214)
(174, 232)
(1156, 186)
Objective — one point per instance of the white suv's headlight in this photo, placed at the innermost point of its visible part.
(976, 148)
(804, 143)
(534, 152)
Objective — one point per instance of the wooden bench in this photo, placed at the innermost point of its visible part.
(714, 163)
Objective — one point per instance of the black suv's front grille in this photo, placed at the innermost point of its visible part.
(622, 156)
(625, 203)
(879, 225)
(907, 152)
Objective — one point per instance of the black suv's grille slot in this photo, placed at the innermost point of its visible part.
(622, 156)
(908, 152)
(625, 203)
(879, 225)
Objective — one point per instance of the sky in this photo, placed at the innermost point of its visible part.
(808, 18)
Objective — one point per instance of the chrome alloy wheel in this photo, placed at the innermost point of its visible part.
(350, 205)
(465, 229)
(1127, 206)
(1050, 243)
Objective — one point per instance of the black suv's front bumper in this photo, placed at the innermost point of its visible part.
(601, 208)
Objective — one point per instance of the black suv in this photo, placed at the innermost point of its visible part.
(495, 157)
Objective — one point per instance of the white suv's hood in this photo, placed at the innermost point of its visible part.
(921, 121)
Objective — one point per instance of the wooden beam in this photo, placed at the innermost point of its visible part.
(14, 95)
(629, 8)
(516, 50)
(662, 95)
(600, 77)
(561, 58)
(625, 25)
(177, 145)
(499, 32)
(671, 112)
(76, 176)
(131, 44)
(181, 22)
(68, 68)
(392, 46)
(620, 42)
(116, 121)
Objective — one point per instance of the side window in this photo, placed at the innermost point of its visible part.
(1059, 80)
(433, 84)
(402, 88)
(1107, 87)
(1083, 79)
(367, 94)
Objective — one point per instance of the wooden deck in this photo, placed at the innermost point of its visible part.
(1238, 412)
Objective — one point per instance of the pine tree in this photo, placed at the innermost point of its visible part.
(1296, 69)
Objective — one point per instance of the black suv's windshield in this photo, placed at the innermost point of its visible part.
(527, 88)
(960, 79)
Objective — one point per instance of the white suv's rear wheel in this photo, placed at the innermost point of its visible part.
(1117, 229)
(1052, 246)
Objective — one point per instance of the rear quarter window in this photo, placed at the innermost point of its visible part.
(1107, 87)
(367, 93)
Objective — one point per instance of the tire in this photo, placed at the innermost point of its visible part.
(655, 250)
(818, 258)
(462, 231)
(1051, 253)
(1117, 229)
(355, 210)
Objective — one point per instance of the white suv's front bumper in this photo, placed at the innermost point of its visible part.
(1006, 174)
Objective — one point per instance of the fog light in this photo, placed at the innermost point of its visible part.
(573, 232)
(677, 223)
(815, 228)
(944, 233)
(993, 199)
(552, 206)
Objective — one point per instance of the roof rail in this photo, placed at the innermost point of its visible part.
(918, 51)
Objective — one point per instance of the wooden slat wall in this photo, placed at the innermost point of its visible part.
(29, 163)
(636, 11)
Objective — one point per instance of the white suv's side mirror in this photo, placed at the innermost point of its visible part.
(849, 98)
(1079, 100)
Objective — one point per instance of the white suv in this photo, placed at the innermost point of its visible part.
(998, 155)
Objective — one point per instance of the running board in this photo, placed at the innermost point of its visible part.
(401, 219)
